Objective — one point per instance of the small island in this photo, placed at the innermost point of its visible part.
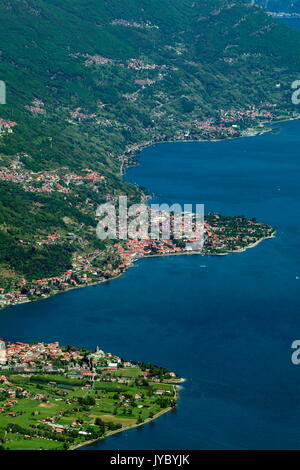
(60, 398)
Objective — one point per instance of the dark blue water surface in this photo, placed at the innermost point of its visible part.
(291, 21)
(228, 327)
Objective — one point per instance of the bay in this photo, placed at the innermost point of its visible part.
(227, 327)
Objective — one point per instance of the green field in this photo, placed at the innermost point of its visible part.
(35, 420)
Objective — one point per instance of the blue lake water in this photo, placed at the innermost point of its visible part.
(226, 328)
(293, 22)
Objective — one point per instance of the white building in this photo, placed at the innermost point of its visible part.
(113, 364)
(3, 358)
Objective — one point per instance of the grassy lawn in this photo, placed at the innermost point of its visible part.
(47, 408)
(19, 443)
(127, 372)
(117, 419)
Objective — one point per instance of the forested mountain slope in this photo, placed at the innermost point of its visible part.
(88, 82)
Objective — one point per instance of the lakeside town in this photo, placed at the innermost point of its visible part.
(61, 397)
(88, 265)
(230, 123)
(222, 235)
(84, 88)
(282, 14)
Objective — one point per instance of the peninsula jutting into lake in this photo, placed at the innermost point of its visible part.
(71, 126)
(54, 397)
(222, 235)
(196, 92)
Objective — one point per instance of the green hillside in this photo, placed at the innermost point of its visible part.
(88, 82)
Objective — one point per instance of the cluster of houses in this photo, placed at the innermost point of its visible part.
(36, 107)
(210, 129)
(84, 272)
(253, 113)
(78, 115)
(27, 357)
(134, 24)
(282, 14)
(221, 234)
(6, 126)
(37, 354)
(97, 60)
(144, 82)
(133, 64)
(24, 358)
(137, 64)
(47, 181)
(135, 249)
(230, 123)
(233, 117)
(25, 291)
(49, 374)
